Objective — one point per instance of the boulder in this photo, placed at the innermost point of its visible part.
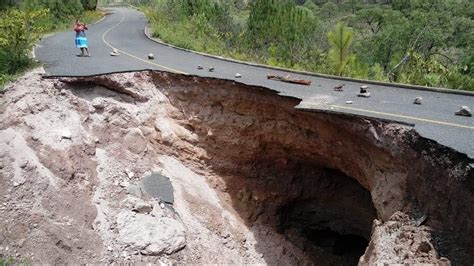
(150, 235)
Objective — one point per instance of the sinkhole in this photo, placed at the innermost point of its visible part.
(315, 177)
(331, 214)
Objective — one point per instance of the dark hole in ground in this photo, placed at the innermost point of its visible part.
(337, 244)
(332, 214)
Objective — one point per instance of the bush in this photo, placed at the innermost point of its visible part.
(19, 31)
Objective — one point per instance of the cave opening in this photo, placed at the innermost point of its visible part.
(336, 243)
(331, 215)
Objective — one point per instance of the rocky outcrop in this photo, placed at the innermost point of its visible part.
(401, 240)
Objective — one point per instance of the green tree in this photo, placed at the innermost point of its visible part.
(340, 40)
(19, 31)
(280, 29)
(329, 10)
(89, 4)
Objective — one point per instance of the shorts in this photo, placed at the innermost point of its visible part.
(81, 42)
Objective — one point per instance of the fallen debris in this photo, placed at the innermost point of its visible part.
(159, 186)
(150, 236)
(199, 67)
(238, 75)
(66, 134)
(288, 79)
(151, 56)
(129, 173)
(115, 52)
(211, 69)
(464, 111)
(349, 102)
(339, 88)
(364, 91)
(418, 100)
(421, 220)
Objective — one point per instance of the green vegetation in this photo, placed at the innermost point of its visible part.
(23, 23)
(426, 42)
(12, 261)
(339, 54)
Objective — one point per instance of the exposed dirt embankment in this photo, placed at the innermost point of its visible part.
(256, 180)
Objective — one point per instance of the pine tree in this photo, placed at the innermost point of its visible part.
(340, 40)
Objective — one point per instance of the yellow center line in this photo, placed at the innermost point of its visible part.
(337, 106)
(405, 117)
(131, 55)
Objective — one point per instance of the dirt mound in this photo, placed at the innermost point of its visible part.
(255, 180)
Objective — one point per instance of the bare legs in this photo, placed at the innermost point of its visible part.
(84, 52)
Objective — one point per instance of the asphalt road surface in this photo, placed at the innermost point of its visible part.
(124, 30)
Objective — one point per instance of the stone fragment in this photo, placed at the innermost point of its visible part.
(364, 91)
(143, 207)
(199, 67)
(349, 102)
(159, 187)
(130, 174)
(424, 247)
(211, 69)
(418, 100)
(150, 235)
(151, 56)
(66, 134)
(238, 75)
(115, 52)
(339, 88)
(124, 184)
(24, 164)
(464, 111)
(421, 220)
(98, 103)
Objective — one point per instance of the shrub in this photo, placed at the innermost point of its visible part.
(19, 31)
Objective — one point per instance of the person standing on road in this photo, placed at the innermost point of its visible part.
(81, 40)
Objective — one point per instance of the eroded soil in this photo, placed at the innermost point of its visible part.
(255, 179)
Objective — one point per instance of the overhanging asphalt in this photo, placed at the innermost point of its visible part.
(124, 30)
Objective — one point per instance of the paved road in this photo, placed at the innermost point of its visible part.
(124, 30)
